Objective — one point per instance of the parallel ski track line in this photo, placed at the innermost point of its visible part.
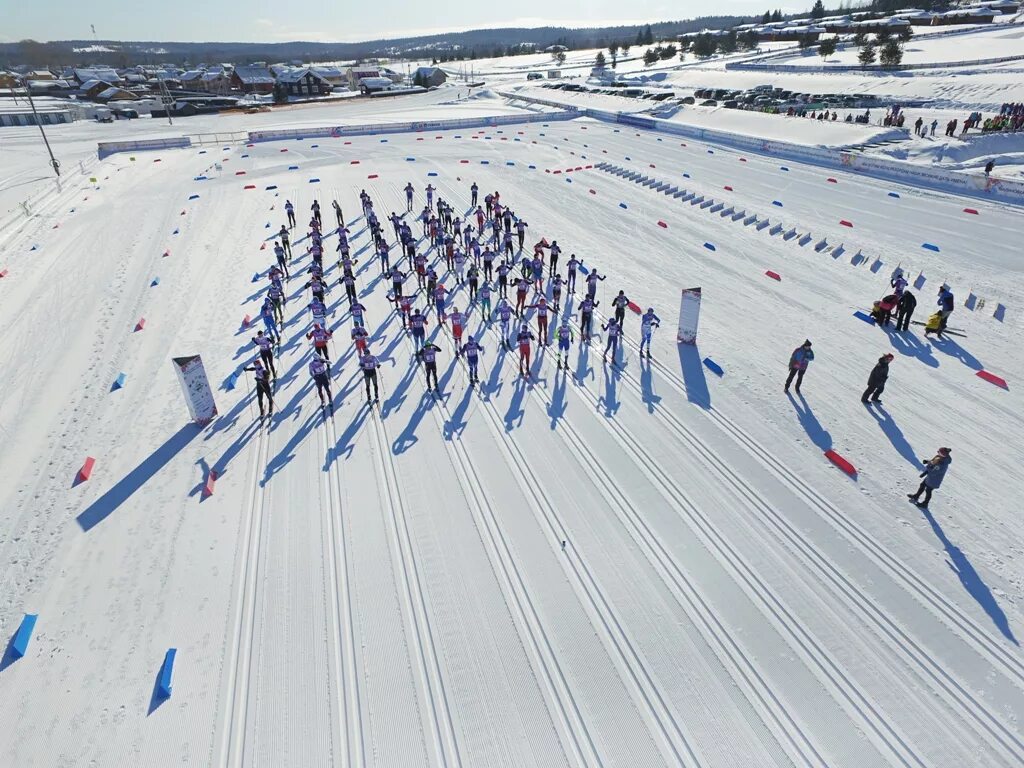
(584, 749)
(900, 641)
(670, 730)
(341, 601)
(972, 631)
(232, 747)
(800, 743)
(954, 615)
(430, 670)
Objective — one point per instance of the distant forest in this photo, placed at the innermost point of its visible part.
(455, 46)
(478, 43)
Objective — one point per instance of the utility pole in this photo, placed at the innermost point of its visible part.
(53, 161)
(165, 97)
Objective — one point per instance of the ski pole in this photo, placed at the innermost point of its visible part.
(252, 413)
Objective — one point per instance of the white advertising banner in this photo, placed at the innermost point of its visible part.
(196, 387)
(689, 316)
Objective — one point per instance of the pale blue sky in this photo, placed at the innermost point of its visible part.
(262, 21)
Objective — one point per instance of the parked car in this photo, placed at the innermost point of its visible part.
(709, 103)
(731, 104)
(104, 115)
(535, 76)
(687, 100)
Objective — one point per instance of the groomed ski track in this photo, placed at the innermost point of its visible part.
(388, 586)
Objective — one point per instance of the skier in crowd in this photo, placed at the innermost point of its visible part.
(504, 312)
(933, 474)
(357, 311)
(898, 282)
(553, 253)
(798, 363)
(320, 371)
(458, 321)
(266, 347)
(263, 389)
(320, 336)
(430, 196)
(338, 214)
(315, 208)
(269, 321)
(290, 210)
(279, 253)
(276, 295)
(620, 302)
(408, 197)
(286, 240)
(472, 350)
(571, 266)
(592, 279)
(474, 190)
(614, 330)
(369, 364)
(564, 335)
(542, 320)
(556, 292)
(427, 354)
(523, 339)
(586, 310)
(417, 325)
(648, 323)
(876, 380)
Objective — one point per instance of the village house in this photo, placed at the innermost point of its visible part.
(304, 82)
(253, 79)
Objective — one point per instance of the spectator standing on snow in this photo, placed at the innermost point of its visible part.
(905, 311)
(798, 363)
(876, 380)
(933, 474)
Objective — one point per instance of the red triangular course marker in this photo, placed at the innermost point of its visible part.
(840, 462)
(999, 381)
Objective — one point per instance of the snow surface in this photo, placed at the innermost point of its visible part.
(391, 588)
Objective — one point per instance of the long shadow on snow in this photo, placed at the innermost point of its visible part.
(693, 375)
(895, 435)
(110, 501)
(647, 385)
(908, 344)
(818, 434)
(951, 348)
(971, 580)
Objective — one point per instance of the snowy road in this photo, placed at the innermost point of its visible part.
(390, 587)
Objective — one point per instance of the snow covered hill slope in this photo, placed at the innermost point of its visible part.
(637, 564)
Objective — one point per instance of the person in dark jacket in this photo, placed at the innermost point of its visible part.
(876, 380)
(798, 363)
(905, 310)
(934, 471)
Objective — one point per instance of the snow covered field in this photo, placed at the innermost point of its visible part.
(390, 586)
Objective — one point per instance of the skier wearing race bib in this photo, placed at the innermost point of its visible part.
(266, 346)
(648, 323)
(320, 336)
(613, 329)
(320, 371)
(523, 339)
(472, 349)
(262, 376)
(564, 335)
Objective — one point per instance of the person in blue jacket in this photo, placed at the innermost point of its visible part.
(946, 304)
(934, 471)
(798, 363)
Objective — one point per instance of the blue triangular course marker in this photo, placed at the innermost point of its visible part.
(20, 643)
(714, 367)
(314, 181)
(267, 225)
(256, 277)
(119, 381)
(865, 317)
(623, 205)
(783, 168)
(156, 281)
(686, 175)
(383, 141)
(313, 146)
(568, 179)
(583, 270)
(166, 673)
(629, 158)
(34, 248)
(894, 194)
(777, 202)
(485, 162)
(710, 246)
(930, 247)
(711, 151)
(509, 162)
(532, 167)
(410, 159)
(293, 167)
(174, 232)
(193, 197)
(272, 186)
(432, 173)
